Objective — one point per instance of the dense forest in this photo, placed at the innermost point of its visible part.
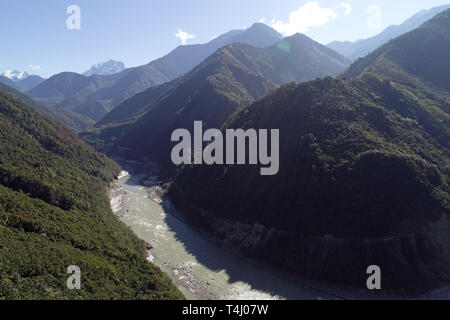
(364, 172)
(54, 212)
(96, 95)
(73, 120)
(363, 177)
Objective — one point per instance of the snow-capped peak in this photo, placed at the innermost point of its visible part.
(106, 68)
(16, 75)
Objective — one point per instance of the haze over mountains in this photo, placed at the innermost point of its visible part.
(6, 81)
(363, 175)
(75, 121)
(20, 80)
(227, 80)
(360, 48)
(97, 95)
(16, 75)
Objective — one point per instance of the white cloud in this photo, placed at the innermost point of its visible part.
(346, 6)
(374, 17)
(184, 36)
(35, 67)
(305, 17)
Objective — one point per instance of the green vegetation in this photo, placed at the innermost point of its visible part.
(94, 96)
(420, 56)
(364, 171)
(54, 212)
(224, 83)
(71, 119)
(341, 151)
(364, 159)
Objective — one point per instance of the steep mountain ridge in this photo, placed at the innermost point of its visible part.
(364, 173)
(428, 62)
(360, 48)
(73, 120)
(22, 81)
(29, 83)
(97, 95)
(8, 82)
(225, 82)
(185, 58)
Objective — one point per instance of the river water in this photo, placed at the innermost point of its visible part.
(201, 269)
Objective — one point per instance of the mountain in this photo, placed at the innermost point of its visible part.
(363, 177)
(402, 60)
(24, 84)
(29, 83)
(16, 75)
(97, 95)
(73, 120)
(54, 213)
(6, 81)
(185, 58)
(106, 68)
(226, 81)
(58, 87)
(360, 48)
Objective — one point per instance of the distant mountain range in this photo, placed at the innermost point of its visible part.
(16, 75)
(225, 82)
(364, 172)
(360, 48)
(364, 162)
(106, 68)
(29, 83)
(75, 121)
(6, 81)
(20, 80)
(107, 84)
(97, 95)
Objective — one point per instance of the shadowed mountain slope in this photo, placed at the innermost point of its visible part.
(231, 78)
(364, 173)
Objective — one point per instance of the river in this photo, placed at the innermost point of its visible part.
(199, 267)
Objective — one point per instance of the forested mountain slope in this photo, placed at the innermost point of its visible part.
(96, 95)
(54, 213)
(71, 119)
(364, 173)
(228, 80)
(361, 48)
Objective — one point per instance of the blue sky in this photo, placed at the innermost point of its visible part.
(35, 37)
